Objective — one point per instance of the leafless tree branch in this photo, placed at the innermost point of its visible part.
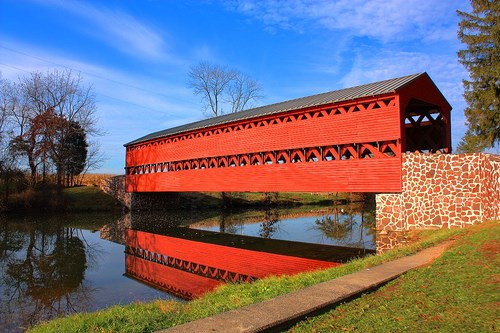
(222, 87)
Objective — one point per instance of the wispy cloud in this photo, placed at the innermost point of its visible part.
(116, 28)
(385, 20)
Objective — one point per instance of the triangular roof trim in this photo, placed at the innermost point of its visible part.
(347, 94)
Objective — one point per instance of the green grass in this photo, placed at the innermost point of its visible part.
(148, 317)
(89, 198)
(457, 293)
(73, 199)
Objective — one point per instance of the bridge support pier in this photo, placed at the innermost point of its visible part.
(439, 191)
(147, 201)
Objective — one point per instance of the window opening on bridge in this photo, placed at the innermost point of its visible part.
(310, 154)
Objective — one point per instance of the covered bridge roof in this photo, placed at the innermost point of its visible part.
(348, 94)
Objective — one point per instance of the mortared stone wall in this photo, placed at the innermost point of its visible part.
(116, 187)
(439, 191)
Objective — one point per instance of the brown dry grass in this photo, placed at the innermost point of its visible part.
(95, 179)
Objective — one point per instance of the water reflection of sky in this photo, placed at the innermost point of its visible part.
(110, 285)
(307, 229)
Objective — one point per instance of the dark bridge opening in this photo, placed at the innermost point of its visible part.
(425, 128)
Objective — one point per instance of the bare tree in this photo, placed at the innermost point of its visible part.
(221, 87)
(9, 172)
(49, 106)
(242, 91)
(23, 134)
(70, 102)
(210, 81)
(6, 104)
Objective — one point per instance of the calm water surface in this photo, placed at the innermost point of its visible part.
(55, 266)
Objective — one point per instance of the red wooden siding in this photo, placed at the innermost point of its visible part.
(423, 89)
(352, 145)
(189, 268)
(356, 127)
(363, 137)
(357, 175)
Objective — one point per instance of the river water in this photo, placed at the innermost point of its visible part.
(53, 266)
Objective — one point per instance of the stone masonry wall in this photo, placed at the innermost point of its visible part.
(440, 191)
(115, 186)
(491, 190)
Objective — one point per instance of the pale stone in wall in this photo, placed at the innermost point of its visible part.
(442, 191)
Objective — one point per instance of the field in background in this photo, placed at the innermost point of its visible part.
(95, 179)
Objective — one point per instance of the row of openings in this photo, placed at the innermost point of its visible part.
(313, 154)
(188, 266)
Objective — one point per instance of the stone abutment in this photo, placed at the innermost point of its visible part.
(115, 186)
(439, 191)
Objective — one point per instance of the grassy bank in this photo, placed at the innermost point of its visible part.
(149, 317)
(457, 293)
(89, 198)
(73, 199)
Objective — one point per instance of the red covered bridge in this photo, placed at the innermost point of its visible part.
(349, 140)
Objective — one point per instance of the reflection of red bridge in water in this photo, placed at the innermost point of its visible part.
(190, 268)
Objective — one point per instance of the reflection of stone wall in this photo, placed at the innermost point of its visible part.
(442, 191)
(154, 201)
(115, 231)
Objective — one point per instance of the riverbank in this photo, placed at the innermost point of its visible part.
(242, 200)
(148, 317)
(72, 199)
(458, 292)
(92, 198)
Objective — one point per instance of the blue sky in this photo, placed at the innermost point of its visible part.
(136, 54)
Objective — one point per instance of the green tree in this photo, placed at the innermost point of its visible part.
(75, 151)
(480, 32)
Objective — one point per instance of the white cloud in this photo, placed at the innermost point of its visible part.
(116, 28)
(130, 87)
(385, 20)
(444, 70)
